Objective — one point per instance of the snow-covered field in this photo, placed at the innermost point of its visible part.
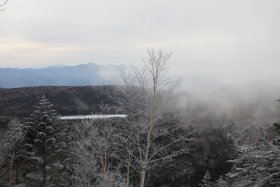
(94, 116)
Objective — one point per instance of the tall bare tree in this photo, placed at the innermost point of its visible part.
(113, 151)
(148, 93)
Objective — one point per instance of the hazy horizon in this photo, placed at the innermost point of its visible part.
(228, 43)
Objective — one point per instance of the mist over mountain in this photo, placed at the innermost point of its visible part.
(80, 75)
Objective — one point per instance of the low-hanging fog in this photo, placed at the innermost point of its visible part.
(248, 104)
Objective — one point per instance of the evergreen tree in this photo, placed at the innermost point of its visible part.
(206, 181)
(259, 164)
(221, 182)
(47, 144)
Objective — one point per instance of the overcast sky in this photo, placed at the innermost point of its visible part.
(223, 41)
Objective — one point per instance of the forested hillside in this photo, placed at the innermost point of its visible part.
(82, 106)
(20, 102)
(153, 146)
(158, 143)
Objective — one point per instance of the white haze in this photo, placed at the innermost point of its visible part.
(214, 43)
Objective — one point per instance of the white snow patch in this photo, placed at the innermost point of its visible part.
(94, 116)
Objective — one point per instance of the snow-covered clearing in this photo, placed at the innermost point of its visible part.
(93, 116)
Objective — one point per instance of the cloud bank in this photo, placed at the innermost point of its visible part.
(220, 42)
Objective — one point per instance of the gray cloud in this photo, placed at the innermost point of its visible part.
(218, 41)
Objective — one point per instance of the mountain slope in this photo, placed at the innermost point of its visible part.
(80, 75)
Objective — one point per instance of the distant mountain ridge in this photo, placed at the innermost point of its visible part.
(60, 75)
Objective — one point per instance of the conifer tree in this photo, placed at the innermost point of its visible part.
(47, 145)
(221, 182)
(206, 181)
(258, 164)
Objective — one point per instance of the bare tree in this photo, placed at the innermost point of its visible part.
(10, 149)
(126, 150)
(112, 152)
(148, 94)
(2, 4)
(95, 154)
(85, 165)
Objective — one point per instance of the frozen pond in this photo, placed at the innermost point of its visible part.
(93, 116)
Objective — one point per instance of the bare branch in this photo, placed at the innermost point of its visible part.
(4, 3)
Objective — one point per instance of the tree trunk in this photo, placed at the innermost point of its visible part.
(11, 168)
(44, 166)
(128, 173)
(105, 171)
(146, 158)
(143, 176)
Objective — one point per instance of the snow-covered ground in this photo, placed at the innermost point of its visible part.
(94, 116)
